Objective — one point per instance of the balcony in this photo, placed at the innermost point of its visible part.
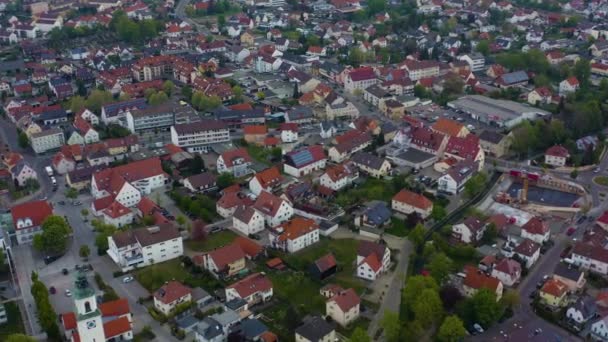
(134, 259)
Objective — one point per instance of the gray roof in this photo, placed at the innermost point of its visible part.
(250, 329)
(226, 318)
(567, 272)
(586, 305)
(491, 136)
(483, 106)
(367, 159)
(515, 77)
(377, 213)
(209, 328)
(315, 329)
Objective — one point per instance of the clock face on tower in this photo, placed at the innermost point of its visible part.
(91, 324)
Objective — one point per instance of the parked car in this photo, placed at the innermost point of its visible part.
(50, 258)
(478, 328)
(52, 290)
(61, 202)
(68, 293)
(570, 231)
(127, 279)
(64, 271)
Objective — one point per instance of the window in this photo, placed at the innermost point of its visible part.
(87, 307)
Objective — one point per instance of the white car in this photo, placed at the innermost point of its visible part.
(127, 279)
(68, 293)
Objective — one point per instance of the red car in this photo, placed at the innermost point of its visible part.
(570, 231)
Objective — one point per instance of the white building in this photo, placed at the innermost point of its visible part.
(304, 161)
(254, 289)
(470, 230)
(275, 210)
(294, 235)
(247, 220)
(590, 257)
(199, 136)
(407, 202)
(373, 259)
(556, 156)
(339, 176)
(117, 215)
(568, 86)
(289, 132)
(47, 140)
(171, 295)
(267, 180)
(476, 61)
(28, 218)
(344, 307)
(359, 79)
(599, 329)
(145, 246)
(454, 180)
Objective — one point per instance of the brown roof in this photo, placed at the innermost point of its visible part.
(250, 247)
(413, 199)
(346, 300)
(251, 284)
(527, 247)
(508, 266)
(536, 226)
(366, 248)
(554, 287)
(146, 236)
(226, 255)
(202, 180)
(296, 228)
(476, 279)
(447, 126)
(171, 292)
(326, 262)
(268, 204)
(269, 177)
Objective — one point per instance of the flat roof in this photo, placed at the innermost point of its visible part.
(415, 156)
(503, 109)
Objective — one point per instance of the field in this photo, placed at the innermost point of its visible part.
(601, 180)
(154, 276)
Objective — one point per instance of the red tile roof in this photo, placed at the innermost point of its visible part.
(69, 320)
(251, 284)
(467, 147)
(554, 287)
(116, 210)
(112, 179)
(289, 126)
(255, 130)
(346, 300)
(296, 228)
(172, 291)
(37, 211)
(116, 327)
(413, 199)
(557, 151)
(230, 156)
(268, 204)
(362, 74)
(226, 255)
(326, 262)
(447, 127)
(373, 262)
(476, 279)
(250, 247)
(117, 307)
(269, 177)
(536, 226)
(102, 203)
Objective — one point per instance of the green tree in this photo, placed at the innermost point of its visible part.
(490, 235)
(413, 288)
(582, 71)
(453, 85)
(417, 235)
(355, 56)
(22, 139)
(71, 193)
(187, 92)
(168, 87)
(438, 212)
(451, 330)
(31, 185)
(510, 298)
(225, 180)
(260, 95)
(54, 236)
(84, 212)
(359, 335)
(440, 267)
(84, 251)
(475, 185)
(376, 6)
(158, 98)
(238, 93)
(485, 307)
(97, 99)
(76, 104)
(221, 21)
(19, 338)
(483, 47)
(181, 220)
(428, 308)
(391, 325)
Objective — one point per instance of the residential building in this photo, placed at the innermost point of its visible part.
(370, 164)
(476, 280)
(540, 96)
(454, 180)
(247, 220)
(170, 295)
(275, 210)
(152, 118)
(553, 293)
(471, 230)
(294, 235)
(359, 79)
(508, 271)
(203, 182)
(316, 329)
(145, 246)
(304, 161)
(116, 112)
(28, 218)
(373, 259)
(47, 140)
(267, 180)
(599, 329)
(128, 183)
(450, 128)
(341, 110)
(494, 143)
(348, 143)
(339, 176)
(536, 229)
(590, 257)
(22, 172)
(224, 261)
(476, 61)
(255, 134)
(200, 136)
(557, 156)
(420, 69)
(408, 202)
(582, 311)
(289, 132)
(254, 289)
(236, 162)
(467, 148)
(85, 131)
(372, 218)
(343, 307)
(568, 86)
(528, 251)
(117, 215)
(571, 276)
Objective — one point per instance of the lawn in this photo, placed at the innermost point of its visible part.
(212, 241)
(154, 276)
(601, 180)
(371, 189)
(14, 324)
(397, 228)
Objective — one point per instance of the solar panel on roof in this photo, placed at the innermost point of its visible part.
(302, 158)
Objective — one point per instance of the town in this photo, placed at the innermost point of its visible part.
(315, 170)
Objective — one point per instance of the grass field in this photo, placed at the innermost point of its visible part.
(153, 277)
(14, 324)
(371, 189)
(398, 228)
(212, 242)
(601, 180)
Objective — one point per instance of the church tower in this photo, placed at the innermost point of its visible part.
(88, 316)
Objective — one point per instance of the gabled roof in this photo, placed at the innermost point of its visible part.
(112, 179)
(268, 204)
(117, 307)
(269, 177)
(116, 327)
(527, 248)
(367, 159)
(231, 156)
(447, 126)
(116, 210)
(367, 248)
(476, 279)
(250, 247)
(305, 156)
(413, 199)
(346, 300)
(558, 151)
(257, 282)
(172, 291)
(37, 211)
(555, 288)
(536, 226)
(226, 255)
(508, 266)
(295, 228)
(326, 262)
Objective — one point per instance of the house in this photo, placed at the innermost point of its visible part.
(467, 148)
(568, 86)
(557, 156)
(47, 140)
(255, 134)
(200, 136)
(128, 183)
(420, 69)
(553, 293)
(528, 251)
(508, 271)
(450, 128)
(476, 280)
(63, 164)
(267, 180)
(22, 172)
(254, 289)
(236, 162)
(348, 143)
(85, 131)
(203, 182)
(512, 79)
(301, 115)
(371, 164)
(224, 261)
(247, 220)
(170, 295)
(540, 96)
(275, 210)
(324, 267)
(230, 200)
(591, 257)
(471, 230)
(372, 218)
(117, 215)
(328, 129)
(582, 311)
(373, 259)
(28, 218)
(476, 61)
(599, 329)
(571, 276)
(289, 132)
(494, 143)
(294, 235)
(304, 161)
(536, 230)
(359, 79)
(145, 246)
(343, 307)
(339, 176)
(454, 180)
(408, 202)
(315, 329)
